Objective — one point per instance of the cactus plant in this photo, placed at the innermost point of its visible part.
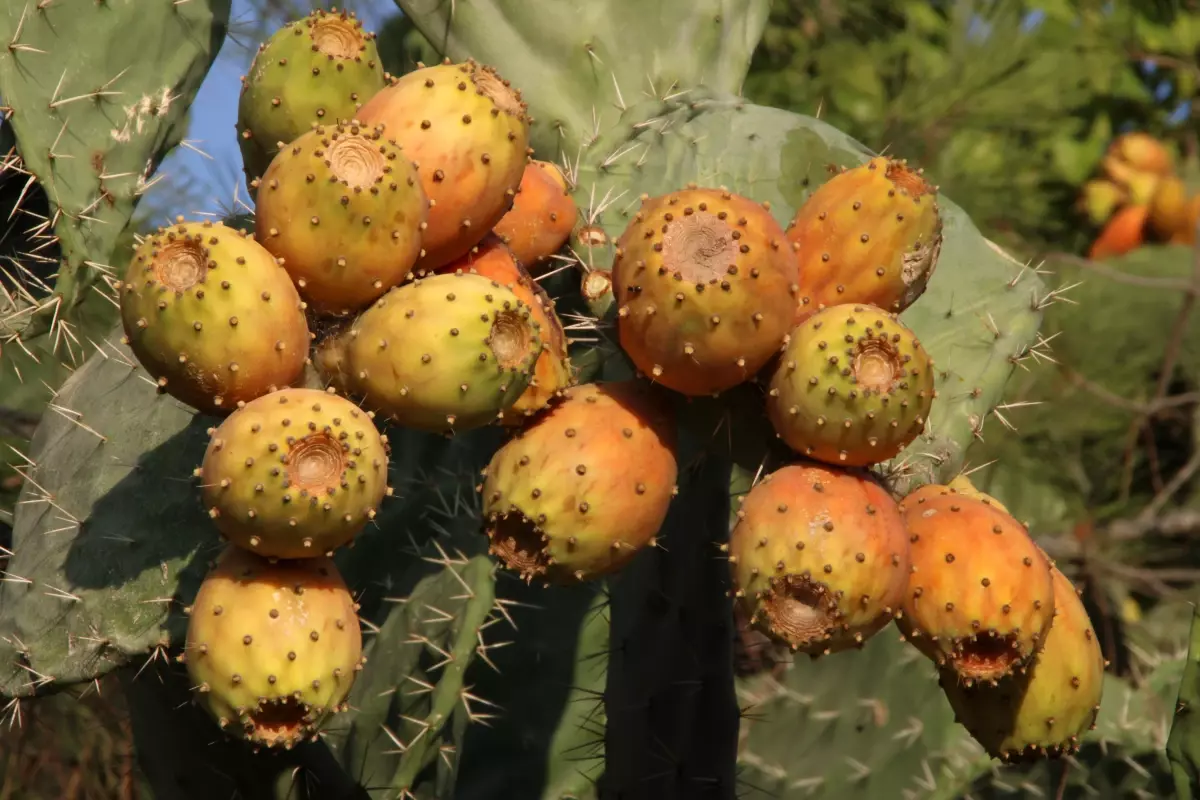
(111, 541)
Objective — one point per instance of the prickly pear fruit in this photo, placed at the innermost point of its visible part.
(552, 373)
(585, 486)
(820, 557)
(1126, 231)
(212, 316)
(1100, 199)
(1186, 235)
(294, 474)
(960, 485)
(980, 597)
(542, 216)
(319, 69)
(1168, 212)
(871, 234)
(1139, 152)
(343, 209)
(272, 649)
(468, 133)
(853, 387)
(705, 286)
(1045, 710)
(443, 353)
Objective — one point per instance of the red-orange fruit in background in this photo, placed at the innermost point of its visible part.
(871, 234)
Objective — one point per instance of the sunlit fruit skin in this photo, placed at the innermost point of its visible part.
(443, 353)
(1168, 212)
(705, 286)
(1046, 710)
(542, 215)
(212, 316)
(294, 474)
(852, 387)
(1100, 199)
(272, 649)
(961, 485)
(552, 373)
(871, 234)
(316, 70)
(584, 486)
(343, 210)
(980, 597)
(468, 132)
(1138, 152)
(820, 557)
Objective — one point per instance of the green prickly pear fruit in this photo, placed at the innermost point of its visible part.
(1046, 709)
(212, 316)
(705, 285)
(552, 373)
(272, 649)
(468, 132)
(820, 557)
(343, 210)
(980, 598)
(319, 69)
(853, 387)
(443, 353)
(584, 487)
(871, 234)
(294, 474)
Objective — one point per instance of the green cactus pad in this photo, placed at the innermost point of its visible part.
(212, 316)
(443, 353)
(344, 211)
(320, 69)
(584, 487)
(294, 474)
(99, 94)
(272, 648)
(853, 387)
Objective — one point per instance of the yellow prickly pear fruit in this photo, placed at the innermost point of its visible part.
(1169, 208)
(1044, 710)
(871, 234)
(343, 210)
(980, 597)
(272, 649)
(1099, 199)
(212, 316)
(1140, 152)
(466, 129)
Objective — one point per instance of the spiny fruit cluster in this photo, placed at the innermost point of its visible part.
(1138, 197)
(396, 220)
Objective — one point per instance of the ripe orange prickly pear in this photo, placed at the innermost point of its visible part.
(1100, 199)
(343, 210)
(1168, 210)
(871, 234)
(853, 387)
(272, 649)
(542, 215)
(552, 373)
(1187, 233)
(980, 597)
(1045, 710)
(212, 316)
(820, 557)
(1126, 231)
(585, 486)
(443, 353)
(319, 69)
(1137, 152)
(294, 474)
(468, 133)
(960, 485)
(705, 286)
